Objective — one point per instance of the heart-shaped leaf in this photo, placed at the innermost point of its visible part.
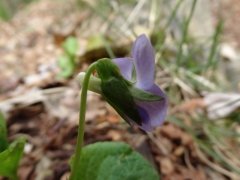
(113, 161)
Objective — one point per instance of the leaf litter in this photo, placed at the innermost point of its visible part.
(44, 108)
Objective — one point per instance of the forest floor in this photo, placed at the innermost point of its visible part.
(44, 108)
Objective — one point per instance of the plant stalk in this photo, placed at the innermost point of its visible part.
(83, 100)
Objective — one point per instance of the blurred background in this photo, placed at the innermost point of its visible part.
(44, 44)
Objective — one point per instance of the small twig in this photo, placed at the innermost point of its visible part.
(133, 15)
(28, 137)
(205, 82)
(158, 144)
(32, 97)
(188, 163)
(184, 86)
(153, 14)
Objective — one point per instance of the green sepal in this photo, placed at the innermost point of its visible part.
(134, 74)
(115, 90)
(94, 82)
(119, 111)
(142, 95)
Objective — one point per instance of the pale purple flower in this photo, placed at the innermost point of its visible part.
(152, 113)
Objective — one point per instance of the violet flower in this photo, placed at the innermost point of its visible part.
(152, 113)
(138, 73)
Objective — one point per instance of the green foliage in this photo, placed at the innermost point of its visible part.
(67, 62)
(3, 134)
(142, 95)
(9, 159)
(10, 155)
(113, 161)
(9, 7)
(189, 66)
(66, 65)
(70, 45)
(99, 44)
(4, 12)
(94, 42)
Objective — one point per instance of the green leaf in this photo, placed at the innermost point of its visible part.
(3, 134)
(66, 65)
(64, 61)
(9, 159)
(142, 95)
(115, 90)
(5, 13)
(95, 42)
(113, 161)
(70, 45)
(67, 62)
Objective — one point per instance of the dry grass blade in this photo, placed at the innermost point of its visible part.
(217, 168)
(224, 151)
(158, 144)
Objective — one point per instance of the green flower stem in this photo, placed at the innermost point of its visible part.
(82, 113)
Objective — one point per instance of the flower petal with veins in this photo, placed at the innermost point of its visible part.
(152, 113)
(125, 65)
(144, 61)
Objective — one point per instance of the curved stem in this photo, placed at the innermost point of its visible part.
(82, 113)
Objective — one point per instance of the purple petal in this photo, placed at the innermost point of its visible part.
(145, 126)
(125, 65)
(156, 110)
(144, 60)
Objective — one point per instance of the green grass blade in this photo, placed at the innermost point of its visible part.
(184, 34)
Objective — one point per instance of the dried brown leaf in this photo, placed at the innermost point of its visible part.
(166, 165)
